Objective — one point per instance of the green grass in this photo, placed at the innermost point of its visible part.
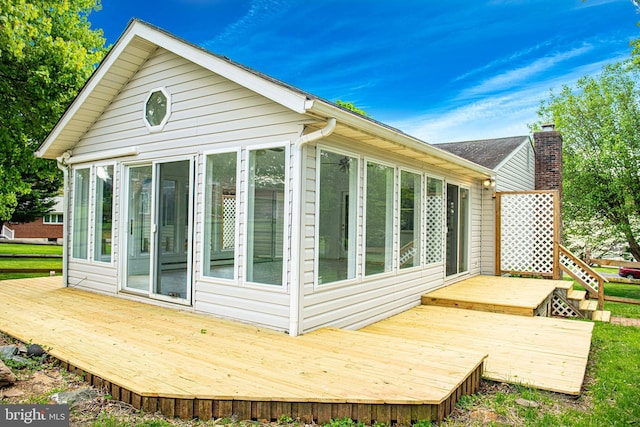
(29, 263)
(17, 248)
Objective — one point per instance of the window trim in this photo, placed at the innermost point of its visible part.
(72, 236)
(57, 214)
(239, 257)
(246, 152)
(92, 227)
(165, 119)
(422, 213)
(394, 268)
(358, 223)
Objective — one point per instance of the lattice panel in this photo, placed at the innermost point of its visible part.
(433, 227)
(228, 222)
(579, 272)
(527, 231)
(561, 308)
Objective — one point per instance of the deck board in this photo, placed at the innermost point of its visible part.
(541, 352)
(495, 294)
(153, 351)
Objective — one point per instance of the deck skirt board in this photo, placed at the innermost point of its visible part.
(187, 364)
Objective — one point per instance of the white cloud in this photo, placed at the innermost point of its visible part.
(506, 114)
(516, 76)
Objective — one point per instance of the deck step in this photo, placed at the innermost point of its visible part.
(575, 294)
(601, 316)
(588, 305)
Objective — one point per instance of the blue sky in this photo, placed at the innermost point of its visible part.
(439, 70)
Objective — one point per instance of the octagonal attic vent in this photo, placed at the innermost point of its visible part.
(157, 109)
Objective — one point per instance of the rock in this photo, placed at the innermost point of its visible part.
(35, 350)
(8, 351)
(527, 403)
(12, 392)
(6, 376)
(74, 397)
(483, 416)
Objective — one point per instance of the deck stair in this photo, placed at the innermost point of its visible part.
(569, 302)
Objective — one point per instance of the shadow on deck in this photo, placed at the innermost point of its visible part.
(414, 366)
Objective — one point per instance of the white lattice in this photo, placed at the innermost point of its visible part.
(582, 274)
(527, 232)
(561, 308)
(433, 228)
(228, 222)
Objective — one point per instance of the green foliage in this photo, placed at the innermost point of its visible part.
(344, 422)
(351, 107)
(47, 52)
(601, 151)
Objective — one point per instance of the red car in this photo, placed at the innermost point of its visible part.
(630, 273)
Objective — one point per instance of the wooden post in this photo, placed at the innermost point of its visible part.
(557, 229)
(498, 271)
(600, 293)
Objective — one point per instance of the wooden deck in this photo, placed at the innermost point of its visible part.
(541, 352)
(187, 365)
(525, 297)
(410, 367)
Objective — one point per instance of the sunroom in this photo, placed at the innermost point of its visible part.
(195, 182)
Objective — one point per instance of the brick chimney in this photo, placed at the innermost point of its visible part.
(548, 150)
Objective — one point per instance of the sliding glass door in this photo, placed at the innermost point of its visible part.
(159, 229)
(457, 230)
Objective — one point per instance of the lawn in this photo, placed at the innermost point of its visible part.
(623, 290)
(47, 264)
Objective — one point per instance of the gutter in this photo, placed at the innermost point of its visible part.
(295, 312)
(61, 162)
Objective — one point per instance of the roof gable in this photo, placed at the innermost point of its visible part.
(124, 60)
(140, 40)
(490, 153)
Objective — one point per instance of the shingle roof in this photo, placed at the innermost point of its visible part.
(486, 152)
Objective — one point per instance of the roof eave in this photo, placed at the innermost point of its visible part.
(326, 109)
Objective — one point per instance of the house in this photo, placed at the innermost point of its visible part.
(196, 182)
(46, 229)
(512, 160)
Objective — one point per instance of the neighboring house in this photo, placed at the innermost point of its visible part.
(46, 229)
(195, 181)
(513, 162)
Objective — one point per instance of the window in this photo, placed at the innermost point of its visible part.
(157, 108)
(379, 219)
(53, 218)
(265, 230)
(220, 215)
(103, 213)
(80, 232)
(410, 214)
(336, 216)
(433, 221)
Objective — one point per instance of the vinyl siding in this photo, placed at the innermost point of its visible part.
(365, 300)
(207, 112)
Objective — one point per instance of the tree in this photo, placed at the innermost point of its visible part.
(47, 52)
(600, 124)
(351, 107)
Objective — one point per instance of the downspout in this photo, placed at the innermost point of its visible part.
(61, 161)
(296, 222)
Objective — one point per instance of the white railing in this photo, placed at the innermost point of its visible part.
(7, 233)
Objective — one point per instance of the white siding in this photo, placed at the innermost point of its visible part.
(517, 172)
(373, 298)
(207, 112)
